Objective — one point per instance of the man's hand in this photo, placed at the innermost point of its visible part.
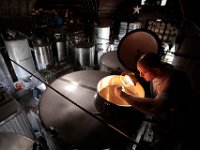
(121, 91)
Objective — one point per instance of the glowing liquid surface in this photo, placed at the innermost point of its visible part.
(109, 93)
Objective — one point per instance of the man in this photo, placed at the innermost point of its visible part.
(166, 105)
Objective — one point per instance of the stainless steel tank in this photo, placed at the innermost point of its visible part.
(43, 54)
(109, 62)
(20, 52)
(61, 50)
(70, 124)
(61, 47)
(101, 37)
(134, 25)
(84, 55)
(98, 53)
(102, 32)
(122, 30)
(13, 141)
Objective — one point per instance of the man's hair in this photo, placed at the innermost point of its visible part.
(150, 60)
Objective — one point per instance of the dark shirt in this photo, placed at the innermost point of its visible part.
(177, 96)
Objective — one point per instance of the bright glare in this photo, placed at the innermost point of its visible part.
(143, 2)
(169, 56)
(158, 20)
(163, 2)
(70, 87)
(128, 80)
(42, 87)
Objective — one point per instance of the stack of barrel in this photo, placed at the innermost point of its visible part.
(101, 39)
(122, 30)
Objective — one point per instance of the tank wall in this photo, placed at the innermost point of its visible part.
(20, 52)
(84, 55)
(43, 56)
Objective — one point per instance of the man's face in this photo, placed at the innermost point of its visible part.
(147, 74)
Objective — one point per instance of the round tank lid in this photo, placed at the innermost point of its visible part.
(135, 43)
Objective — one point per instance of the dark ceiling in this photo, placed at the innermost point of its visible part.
(83, 7)
(109, 10)
(99, 8)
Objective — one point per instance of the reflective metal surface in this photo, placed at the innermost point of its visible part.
(43, 55)
(109, 62)
(13, 141)
(61, 50)
(134, 25)
(20, 52)
(101, 37)
(84, 55)
(102, 32)
(66, 121)
(61, 47)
